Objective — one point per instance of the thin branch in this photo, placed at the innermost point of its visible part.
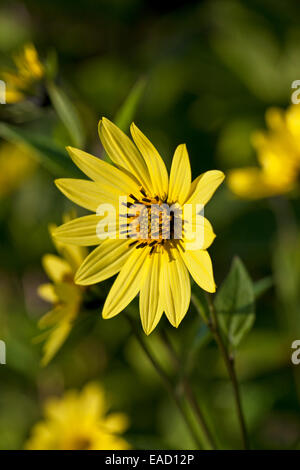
(189, 393)
(229, 363)
(166, 381)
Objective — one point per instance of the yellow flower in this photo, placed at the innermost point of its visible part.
(156, 267)
(278, 153)
(29, 71)
(79, 421)
(16, 164)
(63, 293)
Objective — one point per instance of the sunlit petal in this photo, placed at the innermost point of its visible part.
(175, 287)
(123, 152)
(88, 194)
(103, 172)
(103, 262)
(203, 187)
(156, 166)
(199, 264)
(150, 305)
(180, 176)
(127, 284)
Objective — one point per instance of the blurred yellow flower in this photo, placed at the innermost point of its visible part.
(155, 265)
(63, 293)
(29, 70)
(79, 421)
(278, 153)
(16, 164)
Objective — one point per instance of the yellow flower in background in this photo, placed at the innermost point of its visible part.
(278, 153)
(158, 267)
(63, 294)
(16, 165)
(29, 70)
(79, 421)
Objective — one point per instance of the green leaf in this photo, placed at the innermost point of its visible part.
(234, 304)
(261, 286)
(68, 114)
(52, 157)
(51, 64)
(126, 113)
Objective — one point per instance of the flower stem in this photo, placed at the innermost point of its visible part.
(166, 381)
(189, 393)
(229, 363)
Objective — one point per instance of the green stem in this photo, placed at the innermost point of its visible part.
(166, 381)
(285, 218)
(229, 363)
(189, 393)
(287, 235)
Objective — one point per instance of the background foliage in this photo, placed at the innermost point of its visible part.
(202, 73)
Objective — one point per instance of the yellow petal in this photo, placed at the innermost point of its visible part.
(68, 292)
(104, 261)
(59, 321)
(88, 194)
(150, 305)
(275, 118)
(47, 292)
(292, 118)
(81, 231)
(204, 186)
(56, 268)
(246, 182)
(116, 423)
(103, 172)
(73, 254)
(54, 316)
(156, 166)
(127, 284)
(198, 233)
(13, 96)
(123, 153)
(175, 287)
(55, 340)
(253, 183)
(180, 176)
(199, 265)
(92, 400)
(31, 62)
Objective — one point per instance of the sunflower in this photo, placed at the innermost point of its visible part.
(29, 71)
(79, 421)
(157, 264)
(64, 295)
(278, 155)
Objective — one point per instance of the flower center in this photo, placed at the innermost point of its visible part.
(151, 222)
(79, 443)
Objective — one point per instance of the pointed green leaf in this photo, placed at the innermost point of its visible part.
(52, 157)
(126, 113)
(51, 64)
(235, 305)
(68, 114)
(261, 286)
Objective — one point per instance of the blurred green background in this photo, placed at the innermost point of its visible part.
(210, 69)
